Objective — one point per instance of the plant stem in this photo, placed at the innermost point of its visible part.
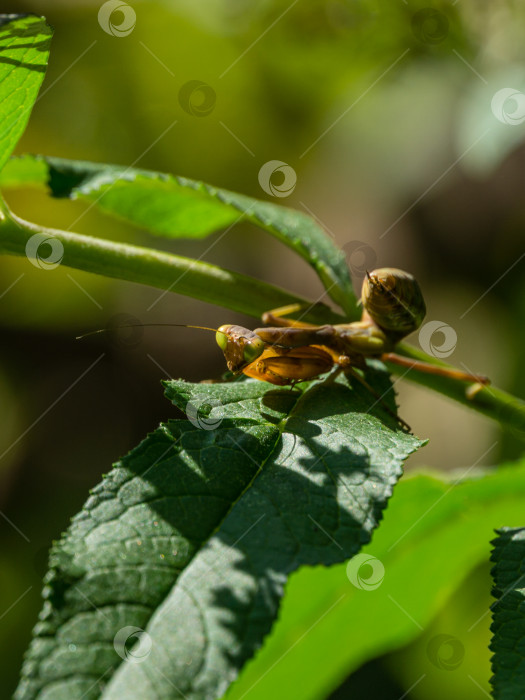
(173, 273)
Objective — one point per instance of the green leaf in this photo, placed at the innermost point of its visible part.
(508, 626)
(193, 535)
(24, 50)
(175, 207)
(435, 532)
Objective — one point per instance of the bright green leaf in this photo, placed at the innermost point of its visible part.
(173, 206)
(508, 626)
(24, 50)
(434, 533)
(193, 535)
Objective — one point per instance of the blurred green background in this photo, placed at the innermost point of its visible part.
(383, 109)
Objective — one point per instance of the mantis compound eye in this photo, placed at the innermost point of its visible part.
(393, 300)
(253, 349)
(222, 338)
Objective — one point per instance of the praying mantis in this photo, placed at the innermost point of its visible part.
(286, 352)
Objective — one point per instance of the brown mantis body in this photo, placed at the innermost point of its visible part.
(291, 351)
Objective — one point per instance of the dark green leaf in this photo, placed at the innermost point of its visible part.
(24, 50)
(193, 535)
(178, 207)
(508, 626)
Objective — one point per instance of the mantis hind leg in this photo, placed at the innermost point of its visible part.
(426, 367)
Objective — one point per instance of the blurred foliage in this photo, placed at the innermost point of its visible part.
(391, 148)
(422, 546)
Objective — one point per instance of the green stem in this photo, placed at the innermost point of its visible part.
(489, 400)
(173, 273)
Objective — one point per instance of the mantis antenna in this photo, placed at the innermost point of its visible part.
(146, 325)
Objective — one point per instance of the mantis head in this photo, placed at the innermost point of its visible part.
(239, 345)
